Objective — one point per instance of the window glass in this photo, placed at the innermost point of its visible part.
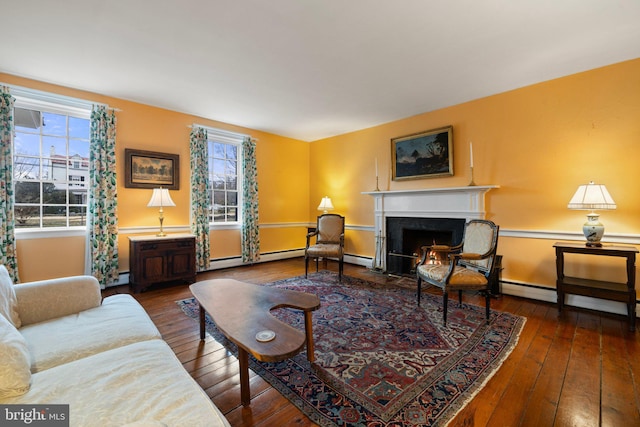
(223, 177)
(51, 167)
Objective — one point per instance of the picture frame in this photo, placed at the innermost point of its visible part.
(151, 169)
(427, 154)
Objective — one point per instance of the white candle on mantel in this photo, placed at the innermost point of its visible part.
(376, 167)
(471, 152)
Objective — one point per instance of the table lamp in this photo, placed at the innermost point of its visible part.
(160, 198)
(325, 205)
(591, 197)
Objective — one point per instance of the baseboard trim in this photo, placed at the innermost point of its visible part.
(509, 287)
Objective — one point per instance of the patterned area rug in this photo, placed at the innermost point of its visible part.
(380, 359)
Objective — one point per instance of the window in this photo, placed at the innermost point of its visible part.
(224, 153)
(51, 164)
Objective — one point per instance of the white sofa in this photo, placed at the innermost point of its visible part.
(61, 343)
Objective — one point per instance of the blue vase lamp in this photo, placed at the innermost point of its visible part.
(591, 197)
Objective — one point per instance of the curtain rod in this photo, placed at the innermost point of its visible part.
(51, 97)
(222, 132)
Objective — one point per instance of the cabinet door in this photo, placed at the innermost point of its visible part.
(154, 264)
(182, 263)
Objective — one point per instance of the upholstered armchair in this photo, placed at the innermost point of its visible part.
(329, 242)
(469, 264)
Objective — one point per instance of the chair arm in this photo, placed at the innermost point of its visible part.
(49, 299)
(309, 236)
(472, 256)
(436, 248)
(468, 255)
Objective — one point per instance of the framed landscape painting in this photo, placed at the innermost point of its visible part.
(150, 169)
(426, 154)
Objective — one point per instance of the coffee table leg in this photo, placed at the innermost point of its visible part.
(245, 392)
(202, 322)
(309, 331)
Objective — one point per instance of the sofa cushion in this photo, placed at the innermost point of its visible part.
(8, 300)
(119, 321)
(52, 298)
(139, 382)
(15, 372)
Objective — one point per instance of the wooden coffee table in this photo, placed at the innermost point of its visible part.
(241, 310)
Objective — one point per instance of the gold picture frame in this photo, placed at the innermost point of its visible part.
(427, 154)
(151, 169)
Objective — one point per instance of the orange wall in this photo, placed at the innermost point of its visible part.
(283, 179)
(537, 143)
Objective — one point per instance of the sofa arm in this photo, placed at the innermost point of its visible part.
(49, 299)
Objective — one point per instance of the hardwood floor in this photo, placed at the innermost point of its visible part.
(581, 368)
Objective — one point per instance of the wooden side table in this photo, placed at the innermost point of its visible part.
(154, 259)
(614, 291)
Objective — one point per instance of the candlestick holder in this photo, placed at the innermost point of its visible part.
(472, 183)
(377, 189)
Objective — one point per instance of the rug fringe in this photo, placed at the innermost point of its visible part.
(485, 378)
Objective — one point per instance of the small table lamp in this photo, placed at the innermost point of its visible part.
(160, 198)
(325, 205)
(591, 197)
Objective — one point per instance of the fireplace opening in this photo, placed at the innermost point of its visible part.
(405, 237)
(413, 240)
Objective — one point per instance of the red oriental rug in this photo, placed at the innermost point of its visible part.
(380, 359)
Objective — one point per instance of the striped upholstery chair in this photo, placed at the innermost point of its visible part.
(469, 267)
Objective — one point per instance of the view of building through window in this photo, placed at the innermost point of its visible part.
(51, 168)
(223, 180)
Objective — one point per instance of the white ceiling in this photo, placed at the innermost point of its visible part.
(310, 69)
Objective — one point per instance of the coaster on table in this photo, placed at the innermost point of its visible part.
(265, 336)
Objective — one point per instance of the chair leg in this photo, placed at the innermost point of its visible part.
(340, 269)
(460, 298)
(306, 266)
(445, 302)
(419, 290)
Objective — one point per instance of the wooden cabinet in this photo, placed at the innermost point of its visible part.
(154, 259)
(623, 292)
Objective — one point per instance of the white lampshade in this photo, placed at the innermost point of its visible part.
(325, 205)
(160, 198)
(590, 197)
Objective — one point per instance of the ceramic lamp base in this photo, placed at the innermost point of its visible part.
(593, 230)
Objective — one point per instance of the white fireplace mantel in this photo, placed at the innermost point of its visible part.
(453, 202)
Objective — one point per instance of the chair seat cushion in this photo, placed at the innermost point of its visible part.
(462, 278)
(324, 250)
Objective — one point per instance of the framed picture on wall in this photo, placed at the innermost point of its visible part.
(426, 154)
(150, 169)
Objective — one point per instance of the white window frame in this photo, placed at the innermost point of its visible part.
(233, 138)
(57, 104)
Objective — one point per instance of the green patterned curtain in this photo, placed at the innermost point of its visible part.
(102, 218)
(250, 227)
(200, 196)
(7, 197)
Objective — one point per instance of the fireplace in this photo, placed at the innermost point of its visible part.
(440, 205)
(405, 236)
